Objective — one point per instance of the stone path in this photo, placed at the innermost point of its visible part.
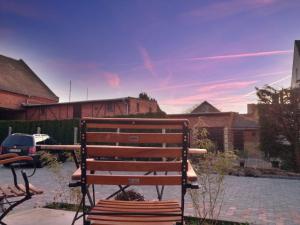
(253, 200)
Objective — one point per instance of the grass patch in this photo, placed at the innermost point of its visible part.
(63, 206)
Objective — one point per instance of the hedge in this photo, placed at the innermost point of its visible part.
(61, 130)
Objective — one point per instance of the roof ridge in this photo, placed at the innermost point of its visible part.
(39, 79)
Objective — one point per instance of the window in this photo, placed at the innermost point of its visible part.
(110, 107)
(138, 107)
(77, 111)
(150, 110)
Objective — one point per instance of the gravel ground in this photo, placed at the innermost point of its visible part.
(253, 200)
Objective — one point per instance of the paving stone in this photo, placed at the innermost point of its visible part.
(246, 199)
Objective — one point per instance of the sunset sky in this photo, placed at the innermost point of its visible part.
(179, 52)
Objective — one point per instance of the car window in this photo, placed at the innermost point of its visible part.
(49, 141)
(18, 140)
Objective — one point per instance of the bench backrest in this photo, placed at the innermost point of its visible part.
(110, 144)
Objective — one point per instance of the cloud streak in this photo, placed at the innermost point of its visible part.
(196, 84)
(147, 61)
(210, 91)
(241, 55)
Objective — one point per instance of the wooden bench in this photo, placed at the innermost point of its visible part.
(14, 194)
(134, 146)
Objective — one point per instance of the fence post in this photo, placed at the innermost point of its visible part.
(226, 139)
(9, 130)
(75, 135)
(38, 130)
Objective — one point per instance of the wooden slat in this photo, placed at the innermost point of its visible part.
(134, 120)
(77, 174)
(134, 179)
(134, 126)
(15, 159)
(197, 151)
(140, 210)
(135, 218)
(136, 152)
(129, 223)
(33, 190)
(121, 202)
(59, 147)
(110, 137)
(191, 174)
(137, 207)
(8, 155)
(133, 166)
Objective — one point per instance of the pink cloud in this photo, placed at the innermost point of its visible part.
(241, 55)
(217, 91)
(148, 63)
(112, 79)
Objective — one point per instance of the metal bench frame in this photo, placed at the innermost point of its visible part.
(26, 195)
(84, 185)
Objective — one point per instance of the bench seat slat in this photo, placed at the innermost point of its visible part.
(130, 223)
(135, 218)
(133, 179)
(120, 202)
(10, 191)
(96, 165)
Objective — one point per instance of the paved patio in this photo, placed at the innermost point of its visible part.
(253, 200)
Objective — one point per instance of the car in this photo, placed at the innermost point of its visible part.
(26, 145)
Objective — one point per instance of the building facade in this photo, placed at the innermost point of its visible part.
(228, 130)
(24, 96)
(94, 108)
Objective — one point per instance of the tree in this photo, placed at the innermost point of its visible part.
(279, 121)
(145, 96)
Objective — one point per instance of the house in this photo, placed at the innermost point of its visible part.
(92, 108)
(229, 130)
(19, 85)
(296, 66)
(205, 107)
(24, 96)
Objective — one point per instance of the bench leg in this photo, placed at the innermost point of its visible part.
(6, 211)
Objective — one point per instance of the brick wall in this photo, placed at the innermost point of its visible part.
(251, 143)
(91, 109)
(14, 101)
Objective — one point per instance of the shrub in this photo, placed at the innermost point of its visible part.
(130, 195)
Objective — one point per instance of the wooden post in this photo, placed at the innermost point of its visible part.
(9, 130)
(226, 139)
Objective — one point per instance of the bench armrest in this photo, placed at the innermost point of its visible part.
(15, 159)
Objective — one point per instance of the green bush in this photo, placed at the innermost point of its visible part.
(61, 130)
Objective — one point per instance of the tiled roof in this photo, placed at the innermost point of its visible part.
(205, 107)
(297, 43)
(244, 122)
(17, 77)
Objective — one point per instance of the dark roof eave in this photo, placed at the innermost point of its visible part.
(201, 114)
(77, 102)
